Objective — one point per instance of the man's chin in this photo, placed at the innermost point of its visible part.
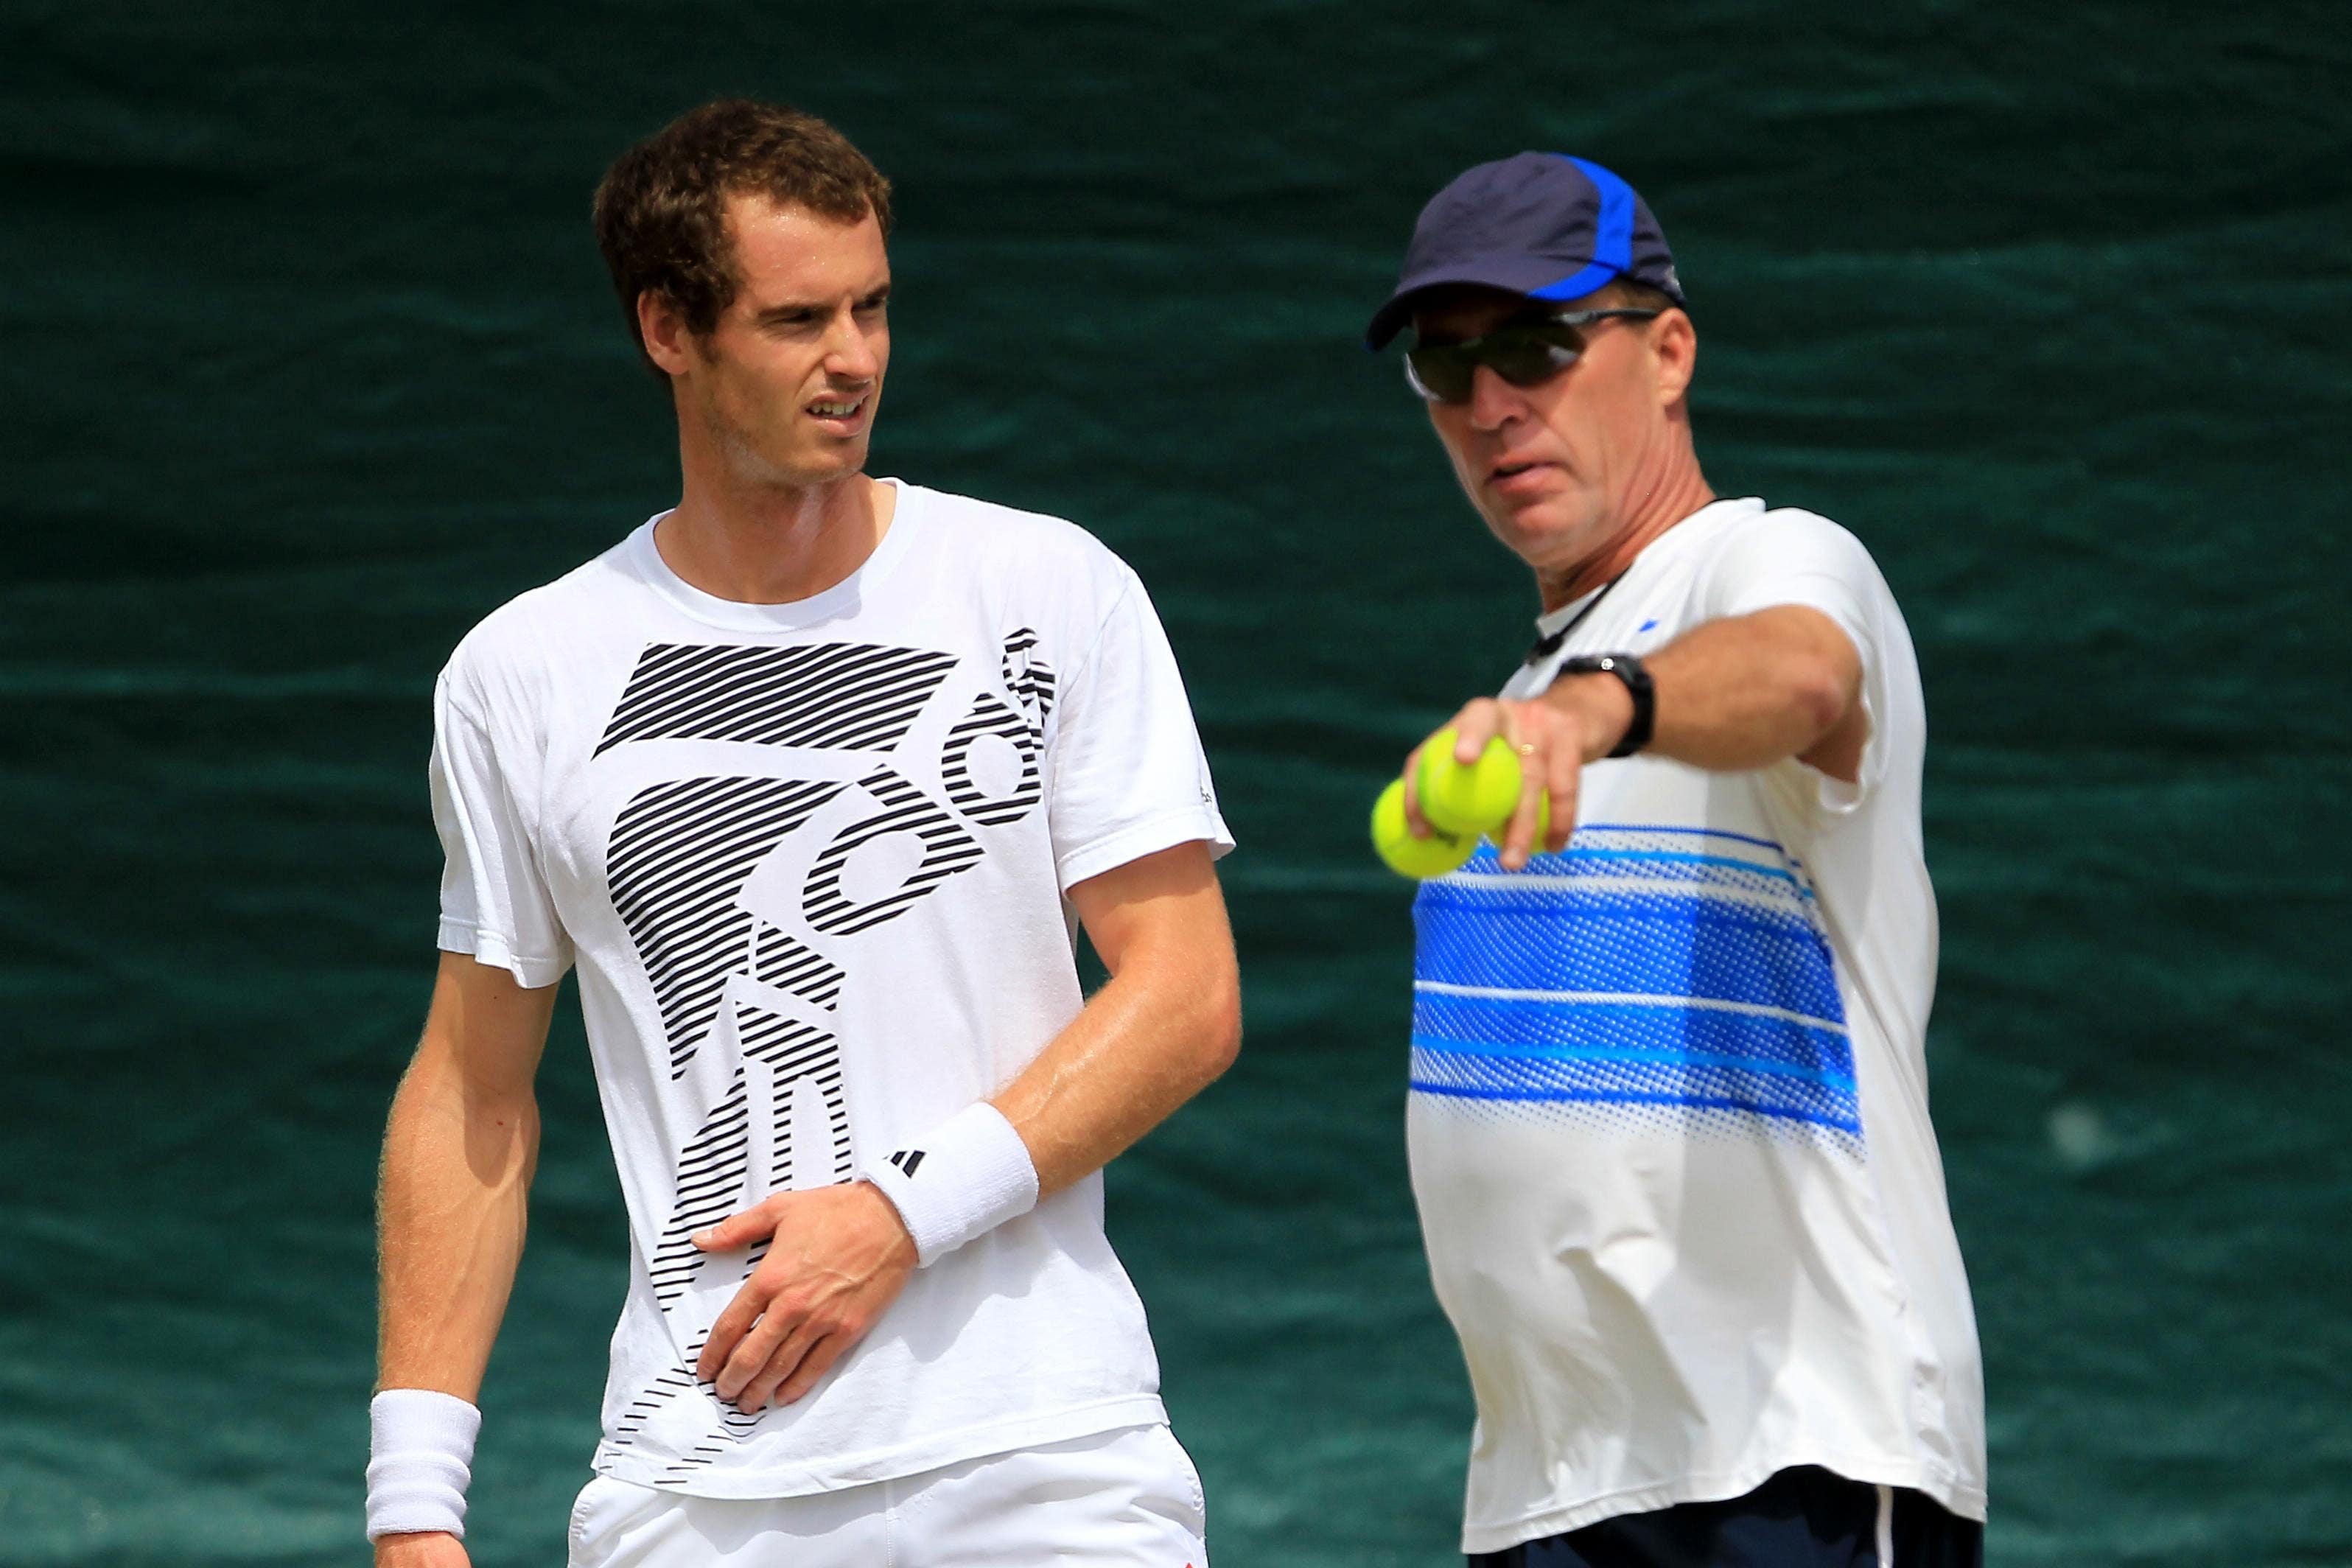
(1547, 537)
(805, 469)
(842, 456)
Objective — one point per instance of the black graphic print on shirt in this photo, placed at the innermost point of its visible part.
(682, 852)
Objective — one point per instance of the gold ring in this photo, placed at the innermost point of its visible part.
(1527, 748)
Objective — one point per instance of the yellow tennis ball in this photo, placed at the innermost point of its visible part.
(1468, 797)
(1410, 857)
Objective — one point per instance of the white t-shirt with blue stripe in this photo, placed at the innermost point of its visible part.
(1669, 1122)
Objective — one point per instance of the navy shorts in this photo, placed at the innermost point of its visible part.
(1802, 1518)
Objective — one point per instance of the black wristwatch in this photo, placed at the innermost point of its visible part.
(1627, 669)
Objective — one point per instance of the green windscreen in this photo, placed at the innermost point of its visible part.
(310, 363)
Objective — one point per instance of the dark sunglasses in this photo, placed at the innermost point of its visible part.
(1525, 354)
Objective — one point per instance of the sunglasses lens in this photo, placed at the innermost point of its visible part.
(1524, 356)
(1441, 371)
(1525, 359)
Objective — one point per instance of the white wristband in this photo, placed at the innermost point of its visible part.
(968, 1175)
(420, 1457)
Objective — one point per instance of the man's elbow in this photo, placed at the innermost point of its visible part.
(1822, 690)
(1218, 1025)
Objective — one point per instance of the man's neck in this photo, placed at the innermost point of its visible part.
(773, 544)
(1659, 508)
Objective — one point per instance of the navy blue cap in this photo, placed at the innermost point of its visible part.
(1540, 223)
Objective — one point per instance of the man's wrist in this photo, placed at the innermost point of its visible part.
(1603, 703)
(965, 1177)
(889, 1210)
(420, 1461)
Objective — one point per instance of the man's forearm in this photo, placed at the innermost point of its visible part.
(1734, 694)
(1164, 1027)
(1144, 1045)
(451, 1209)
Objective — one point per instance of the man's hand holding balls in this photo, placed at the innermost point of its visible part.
(1506, 770)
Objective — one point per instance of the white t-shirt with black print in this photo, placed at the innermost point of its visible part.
(811, 860)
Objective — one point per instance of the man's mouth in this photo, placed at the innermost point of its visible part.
(1515, 476)
(836, 408)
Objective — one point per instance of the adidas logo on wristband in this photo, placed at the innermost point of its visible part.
(981, 1175)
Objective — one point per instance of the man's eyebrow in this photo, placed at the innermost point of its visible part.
(789, 309)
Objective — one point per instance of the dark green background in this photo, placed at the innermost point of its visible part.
(308, 362)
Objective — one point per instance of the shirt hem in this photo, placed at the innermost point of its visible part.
(1962, 1496)
(1163, 831)
(753, 1481)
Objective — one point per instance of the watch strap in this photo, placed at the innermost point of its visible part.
(1628, 669)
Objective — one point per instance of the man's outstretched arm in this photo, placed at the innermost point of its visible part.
(1741, 692)
(459, 1153)
(1165, 1025)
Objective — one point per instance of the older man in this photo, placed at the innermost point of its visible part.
(1669, 1114)
(807, 776)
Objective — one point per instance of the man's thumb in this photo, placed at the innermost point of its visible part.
(729, 1233)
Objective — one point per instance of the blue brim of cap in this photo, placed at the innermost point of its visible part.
(1510, 273)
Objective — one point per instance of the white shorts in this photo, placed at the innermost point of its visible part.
(1127, 1499)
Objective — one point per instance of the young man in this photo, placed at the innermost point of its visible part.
(808, 776)
(1669, 1115)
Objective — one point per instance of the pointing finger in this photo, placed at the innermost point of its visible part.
(1518, 838)
(1564, 775)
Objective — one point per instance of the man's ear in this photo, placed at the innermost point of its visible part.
(666, 332)
(1674, 345)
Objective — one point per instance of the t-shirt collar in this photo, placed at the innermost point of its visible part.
(842, 598)
(1665, 544)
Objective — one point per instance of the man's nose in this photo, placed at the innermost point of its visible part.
(850, 353)
(1493, 400)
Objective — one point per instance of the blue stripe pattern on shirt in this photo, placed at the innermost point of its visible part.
(1643, 967)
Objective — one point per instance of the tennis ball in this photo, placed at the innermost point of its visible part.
(1409, 857)
(1468, 797)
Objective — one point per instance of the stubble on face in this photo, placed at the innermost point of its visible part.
(739, 442)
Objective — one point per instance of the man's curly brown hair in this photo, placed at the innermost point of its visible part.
(661, 209)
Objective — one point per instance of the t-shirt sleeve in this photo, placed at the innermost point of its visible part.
(1126, 774)
(1796, 558)
(494, 899)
